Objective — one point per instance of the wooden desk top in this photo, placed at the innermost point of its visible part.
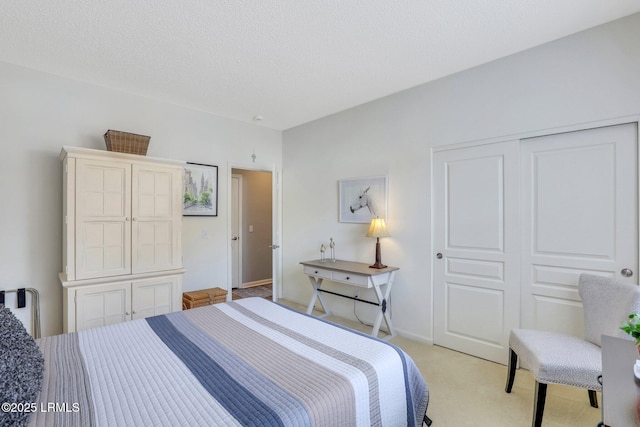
(349, 267)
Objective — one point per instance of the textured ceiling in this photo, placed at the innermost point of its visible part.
(289, 61)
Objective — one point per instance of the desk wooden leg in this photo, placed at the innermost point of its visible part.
(317, 295)
(384, 308)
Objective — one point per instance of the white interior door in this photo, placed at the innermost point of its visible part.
(476, 273)
(236, 224)
(276, 268)
(579, 206)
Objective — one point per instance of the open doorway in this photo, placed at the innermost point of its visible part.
(251, 233)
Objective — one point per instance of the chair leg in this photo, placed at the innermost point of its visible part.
(538, 405)
(593, 398)
(511, 370)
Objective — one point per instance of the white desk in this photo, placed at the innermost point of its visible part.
(354, 274)
(620, 389)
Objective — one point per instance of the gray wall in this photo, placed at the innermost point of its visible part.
(583, 78)
(586, 77)
(39, 113)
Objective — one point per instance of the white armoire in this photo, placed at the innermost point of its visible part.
(122, 248)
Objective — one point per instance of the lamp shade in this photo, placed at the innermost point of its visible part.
(378, 228)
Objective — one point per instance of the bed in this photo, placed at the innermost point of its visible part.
(247, 362)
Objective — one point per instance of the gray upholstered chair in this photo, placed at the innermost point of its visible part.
(555, 358)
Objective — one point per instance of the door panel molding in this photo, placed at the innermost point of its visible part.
(492, 270)
(464, 195)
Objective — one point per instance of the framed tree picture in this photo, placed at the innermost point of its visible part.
(200, 196)
(363, 199)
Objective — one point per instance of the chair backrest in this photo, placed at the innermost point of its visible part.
(607, 303)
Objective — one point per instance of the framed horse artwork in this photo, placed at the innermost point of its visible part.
(363, 199)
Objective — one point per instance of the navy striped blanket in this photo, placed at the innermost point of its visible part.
(245, 363)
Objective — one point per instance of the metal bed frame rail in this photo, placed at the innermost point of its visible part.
(35, 306)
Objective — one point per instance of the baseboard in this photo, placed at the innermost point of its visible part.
(414, 337)
(256, 283)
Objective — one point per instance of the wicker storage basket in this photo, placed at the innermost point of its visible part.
(193, 299)
(124, 142)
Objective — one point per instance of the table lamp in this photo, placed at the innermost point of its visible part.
(378, 229)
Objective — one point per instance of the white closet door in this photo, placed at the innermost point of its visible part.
(476, 278)
(579, 206)
(103, 205)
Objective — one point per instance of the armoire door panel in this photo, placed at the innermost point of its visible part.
(102, 305)
(154, 246)
(157, 214)
(102, 219)
(154, 233)
(102, 189)
(104, 250)
(152, 297)
(154, 191)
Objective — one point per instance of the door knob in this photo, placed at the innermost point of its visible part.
(234, 238)
(439, 255)
(626, 272)
(274, 246)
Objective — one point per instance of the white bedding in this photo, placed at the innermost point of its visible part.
(249, 362)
